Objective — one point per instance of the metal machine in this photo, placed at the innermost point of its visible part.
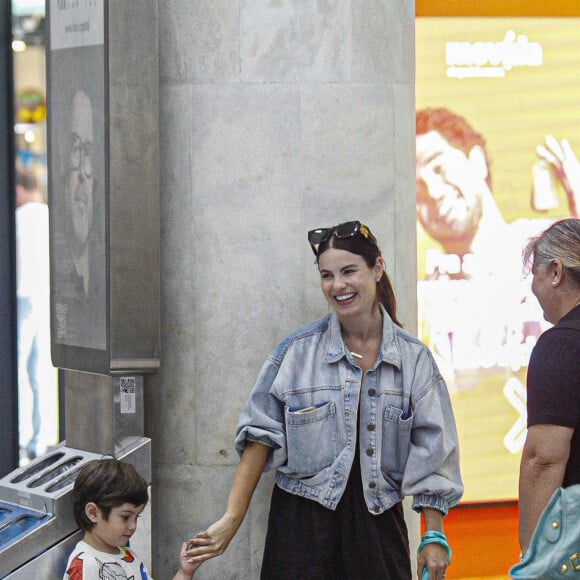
(103, 73)
(37, 527)
(104, 418)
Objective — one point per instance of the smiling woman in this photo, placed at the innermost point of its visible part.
(358, 240)
(349, 286)
(344, 410)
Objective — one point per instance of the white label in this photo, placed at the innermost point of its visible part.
(128, 390)
(76, 23)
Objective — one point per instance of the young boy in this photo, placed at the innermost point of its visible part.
(108, 496)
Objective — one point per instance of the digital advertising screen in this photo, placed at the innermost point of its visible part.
(498, 143)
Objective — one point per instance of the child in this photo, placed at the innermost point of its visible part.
(108, 497)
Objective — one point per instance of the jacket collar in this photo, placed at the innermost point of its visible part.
(388, 353)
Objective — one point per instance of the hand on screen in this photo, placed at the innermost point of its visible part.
(566, 167)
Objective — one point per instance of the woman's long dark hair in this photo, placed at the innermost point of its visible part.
(369, 251)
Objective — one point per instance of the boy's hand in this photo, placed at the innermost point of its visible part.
(188, 567)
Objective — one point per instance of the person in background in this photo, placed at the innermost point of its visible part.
(494, 320)
(551, 455)
(353, 414)
(455, 204)
(37, 378)
(108, 496)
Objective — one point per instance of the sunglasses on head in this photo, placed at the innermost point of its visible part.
(344, 230)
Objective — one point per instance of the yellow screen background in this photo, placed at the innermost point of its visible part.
(514, 114)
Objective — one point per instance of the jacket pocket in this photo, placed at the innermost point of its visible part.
(395, 441)
(312, 439)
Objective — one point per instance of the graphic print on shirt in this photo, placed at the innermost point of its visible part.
(107, 570)
(75, 570)
(127, 555)
(112, 571)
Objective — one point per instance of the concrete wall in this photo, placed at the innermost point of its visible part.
(276, 117)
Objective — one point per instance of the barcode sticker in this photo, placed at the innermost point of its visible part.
(128, 390)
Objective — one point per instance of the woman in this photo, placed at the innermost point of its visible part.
(353, 414)
(551, 455)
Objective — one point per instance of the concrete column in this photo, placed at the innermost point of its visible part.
(276, 117)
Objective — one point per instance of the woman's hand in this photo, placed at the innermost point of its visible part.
(213, 541)
(434, 558)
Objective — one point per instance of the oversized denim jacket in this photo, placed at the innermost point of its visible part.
(407, 437)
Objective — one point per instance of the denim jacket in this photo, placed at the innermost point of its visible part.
(306, 403)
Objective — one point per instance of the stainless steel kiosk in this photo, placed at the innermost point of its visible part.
(103, 103)
(37, 527)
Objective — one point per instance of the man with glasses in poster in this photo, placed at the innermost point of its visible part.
(79, 190)
(80, 303)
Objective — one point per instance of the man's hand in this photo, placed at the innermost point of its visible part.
(566, 168)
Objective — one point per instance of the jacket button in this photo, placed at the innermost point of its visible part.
(372, 392)
(376, 509)
(372, 485)
(369, 452)
(371, 427)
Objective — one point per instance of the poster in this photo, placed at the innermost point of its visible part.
(498, 140)
(77, 190)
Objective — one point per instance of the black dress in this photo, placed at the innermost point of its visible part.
(306, 541)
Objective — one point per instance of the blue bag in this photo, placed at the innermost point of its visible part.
(554, 550)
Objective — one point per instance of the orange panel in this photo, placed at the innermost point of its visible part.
(496, 8)
(483, 539)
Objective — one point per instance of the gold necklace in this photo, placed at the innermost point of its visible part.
(353, 354)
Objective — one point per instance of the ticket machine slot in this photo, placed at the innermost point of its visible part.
(37, 467)
(54, 473)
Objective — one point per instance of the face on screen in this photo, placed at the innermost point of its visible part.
(80, 174)
(449, 188)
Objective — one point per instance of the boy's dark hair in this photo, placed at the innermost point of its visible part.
(108, 483)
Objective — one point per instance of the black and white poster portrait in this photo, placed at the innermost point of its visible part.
(77, 130)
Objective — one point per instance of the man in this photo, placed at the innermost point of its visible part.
(455, 204)
(80, 298)
(493, 321)
(37, 379)
(453, 182)
(79, 194)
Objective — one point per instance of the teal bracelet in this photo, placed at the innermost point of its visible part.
(434, 537)
(434, 534)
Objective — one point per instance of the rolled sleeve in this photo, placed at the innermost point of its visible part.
(432, 475)
(421, 501)
(262, 419)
